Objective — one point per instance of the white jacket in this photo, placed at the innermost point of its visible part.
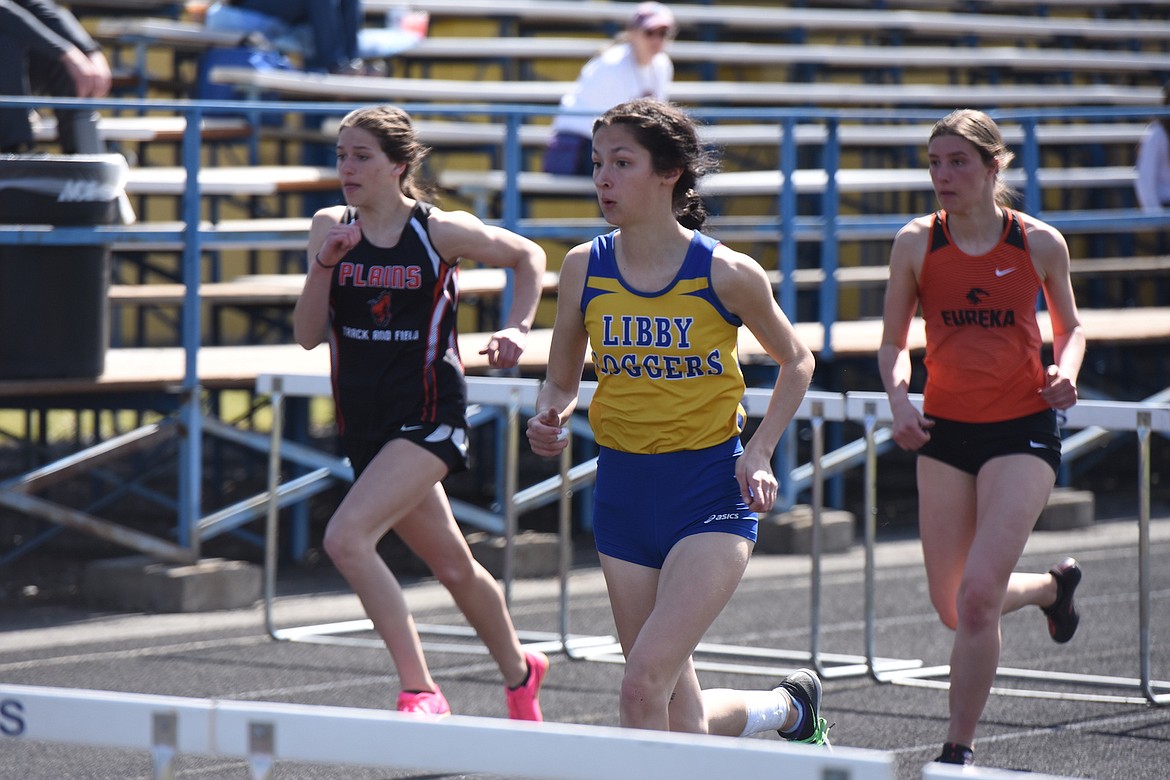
(1153, 169)
(610, 78)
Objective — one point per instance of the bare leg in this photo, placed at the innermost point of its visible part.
(687, 710)
(1010, 492)
(400, 481)
(435, 537)
(661, 616)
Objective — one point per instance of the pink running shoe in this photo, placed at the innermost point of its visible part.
(524, 702)
(425, 703)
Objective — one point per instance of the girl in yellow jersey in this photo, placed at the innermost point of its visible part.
(987, 438)
(660, 305)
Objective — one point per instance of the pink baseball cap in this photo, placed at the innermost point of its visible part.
(652, 16)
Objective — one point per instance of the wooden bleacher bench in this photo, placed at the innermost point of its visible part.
(455, 133)
(194, 36)
(291, 233)
(862, 338)
(148, 129)
(851, 56)
(258, 233)
(150, 369)
(775, 18)
(237, 292)
(139, 34)
(254, 180)
(321, 86)
(480, 185)
(848, 227)
(171, 33)
(878, 275)
(285, 289)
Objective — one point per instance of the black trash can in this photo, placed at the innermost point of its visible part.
(54, 309)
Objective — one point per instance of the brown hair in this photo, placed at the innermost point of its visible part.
(669, 135)
(982, 132)
(395, 133)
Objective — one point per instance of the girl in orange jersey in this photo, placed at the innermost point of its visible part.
(987, 439)
(676, 497)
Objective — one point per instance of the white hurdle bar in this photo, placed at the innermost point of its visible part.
(515, 394)
(935, 771)
(511, 394)
(263, 733)
(817, 407)
(1140, 417)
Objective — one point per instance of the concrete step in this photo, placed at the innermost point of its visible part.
(142, 584)
(534, 554)
(790, 532)
(1068, 508)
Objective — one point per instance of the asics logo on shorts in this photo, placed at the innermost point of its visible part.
(723, 516)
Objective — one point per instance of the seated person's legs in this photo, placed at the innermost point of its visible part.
(246, 20)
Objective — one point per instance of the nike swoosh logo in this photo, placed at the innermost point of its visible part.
(1037, 445)
(411, 428)
(1003, 272)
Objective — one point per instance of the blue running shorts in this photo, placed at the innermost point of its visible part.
(968, 446)
(644, 504)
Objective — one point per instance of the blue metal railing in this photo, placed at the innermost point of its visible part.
(830, 226)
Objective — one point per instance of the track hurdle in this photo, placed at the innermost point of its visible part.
(511, 394)
(514, 394)
(817, 408)
(1142, 418)
(265, 733)
(934, 771)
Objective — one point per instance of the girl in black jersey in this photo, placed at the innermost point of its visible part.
(382, 288)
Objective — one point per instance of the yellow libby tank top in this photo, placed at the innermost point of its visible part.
(667, 362)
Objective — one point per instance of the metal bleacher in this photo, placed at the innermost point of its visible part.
(831, 229)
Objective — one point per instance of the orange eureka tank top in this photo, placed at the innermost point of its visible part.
(982, 339)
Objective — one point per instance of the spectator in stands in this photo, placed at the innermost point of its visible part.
(324, 31)
(634, 65)
(676, 495)
(44, 50)
(381, 288)
(1153, 162)
(987, 438)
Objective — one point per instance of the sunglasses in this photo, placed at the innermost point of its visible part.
(658, 32)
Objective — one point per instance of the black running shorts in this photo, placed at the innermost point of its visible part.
(445, 442)
(968, 446)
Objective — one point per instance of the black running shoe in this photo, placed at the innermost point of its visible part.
(954, 753)
(1063, 618)
(804, 686)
